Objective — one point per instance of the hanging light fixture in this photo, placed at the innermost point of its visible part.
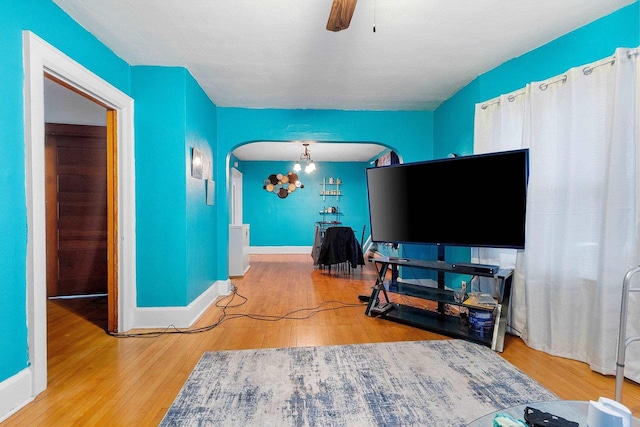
(306, 156)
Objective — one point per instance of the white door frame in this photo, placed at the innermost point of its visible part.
(236, 197)
(39, 58)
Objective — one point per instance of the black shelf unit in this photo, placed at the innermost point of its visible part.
(333, 216)
(438, 321)
(445, 324)
(331, 188)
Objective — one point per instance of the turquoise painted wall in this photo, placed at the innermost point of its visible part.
(175, 227)
(161, 176)
(163, 172)
(201, 132)
(409, 133)
(291, 221)
(47, 21)
(416, 135)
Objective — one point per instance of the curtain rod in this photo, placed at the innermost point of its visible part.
(544, 86)
(586, 71)
(589, 69)
(510, 98)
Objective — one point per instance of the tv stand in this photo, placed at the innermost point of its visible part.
(438, 321)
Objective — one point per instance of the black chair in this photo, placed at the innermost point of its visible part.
(340, 247)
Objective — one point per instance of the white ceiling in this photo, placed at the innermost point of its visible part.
(320, 152)
(278, 54)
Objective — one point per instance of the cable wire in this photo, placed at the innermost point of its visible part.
(225, 303)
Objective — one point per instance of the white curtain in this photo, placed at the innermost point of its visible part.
(582, 228)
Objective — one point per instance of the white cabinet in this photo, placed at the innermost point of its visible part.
(238, 249)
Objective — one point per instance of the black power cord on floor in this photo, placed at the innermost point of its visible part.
(226, 303)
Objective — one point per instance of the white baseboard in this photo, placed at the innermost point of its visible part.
(269, 250)
(15, 393)
(180, 317)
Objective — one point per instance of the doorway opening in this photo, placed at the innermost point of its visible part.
(79, 211)
(40, 59)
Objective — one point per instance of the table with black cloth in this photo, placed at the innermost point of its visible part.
(339, 246)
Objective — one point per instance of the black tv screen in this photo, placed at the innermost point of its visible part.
(475, 201)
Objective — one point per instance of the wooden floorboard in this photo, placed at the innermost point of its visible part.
(97, 379)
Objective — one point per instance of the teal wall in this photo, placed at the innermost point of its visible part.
(291, 221)
(201, 132)
(175, 226)
(48, 22)
(409, 133)
(160, 182)
(172, 114)
(182, 243)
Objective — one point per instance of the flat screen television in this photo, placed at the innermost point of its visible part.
(476, 201)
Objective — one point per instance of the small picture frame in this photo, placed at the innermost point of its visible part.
(211, 191)
(196, 163)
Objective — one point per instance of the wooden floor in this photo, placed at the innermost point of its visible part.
(99, 380)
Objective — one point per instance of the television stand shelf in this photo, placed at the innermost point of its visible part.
(439, 321)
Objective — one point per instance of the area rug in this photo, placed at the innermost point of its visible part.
(417, 383)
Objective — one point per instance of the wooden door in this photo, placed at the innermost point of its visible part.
(76, 204)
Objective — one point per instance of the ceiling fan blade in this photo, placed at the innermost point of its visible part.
(340, 15)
